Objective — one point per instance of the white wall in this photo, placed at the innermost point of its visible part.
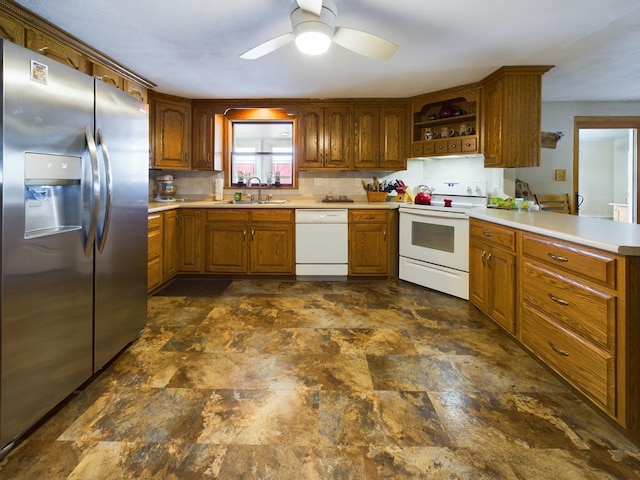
(558, 117)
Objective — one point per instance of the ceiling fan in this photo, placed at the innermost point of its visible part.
(313, 25)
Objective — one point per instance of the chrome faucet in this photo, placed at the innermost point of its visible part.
(259, 186)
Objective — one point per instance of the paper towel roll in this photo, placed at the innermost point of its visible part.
(218, 188)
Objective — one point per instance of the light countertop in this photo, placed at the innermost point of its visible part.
(616, 237)
(292, 203)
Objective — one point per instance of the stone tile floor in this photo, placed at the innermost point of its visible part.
(323, 380)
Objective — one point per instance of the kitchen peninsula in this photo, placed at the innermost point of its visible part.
(565, 287)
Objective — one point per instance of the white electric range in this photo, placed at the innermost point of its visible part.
(434, 239)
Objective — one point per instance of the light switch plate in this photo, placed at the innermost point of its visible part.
(561, 175)
(317, 182)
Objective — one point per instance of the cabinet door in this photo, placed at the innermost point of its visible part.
(367, 137)
(392, 138)
(272, 248)
(336, 151)
(478, 275)
(49, 47)
(154, 251)
(492, 282)
(189, 240)
(172, 138)
(12, 30)
(136, 91)
(492, 128)
(204, 155)
(310, 137)
(169, 257)
(501, 265)
(368, 249)
(107, 75)
(226, 248)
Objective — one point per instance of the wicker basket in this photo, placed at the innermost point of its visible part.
(377, 196)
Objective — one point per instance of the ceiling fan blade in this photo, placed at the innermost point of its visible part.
(364, 43)
(311, 6)
(267, 47)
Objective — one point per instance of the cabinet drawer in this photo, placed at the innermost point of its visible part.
(368, 216)
(227, 215)
(469, 144)
(454, 145)
(493, 233)
(585, 366)
(588, 263)
(155, 221)
(566, 301)
(272, 215)
(154, 248)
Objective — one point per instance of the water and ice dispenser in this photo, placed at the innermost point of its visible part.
(52, 194)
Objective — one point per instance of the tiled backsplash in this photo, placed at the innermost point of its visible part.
(199, 185)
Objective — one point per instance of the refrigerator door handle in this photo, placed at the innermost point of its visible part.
(109, 184)
(95, 192)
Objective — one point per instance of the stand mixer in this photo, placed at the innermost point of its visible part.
(166, 189)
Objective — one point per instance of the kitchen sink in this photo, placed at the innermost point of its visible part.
(261, 202)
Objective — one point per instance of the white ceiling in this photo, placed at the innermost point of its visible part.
(190, 48)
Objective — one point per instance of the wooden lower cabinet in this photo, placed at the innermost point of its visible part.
(189, 241)
(577, 312)
(154, 251)
(571, 316)
(169, 246)
(373, 242)
(492, 270)
(251, 241)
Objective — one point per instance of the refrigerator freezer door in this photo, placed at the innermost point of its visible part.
(46, 303)
(121, 263)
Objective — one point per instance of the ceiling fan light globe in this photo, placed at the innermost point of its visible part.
(313, 43)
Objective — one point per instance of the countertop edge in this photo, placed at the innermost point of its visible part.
(615, 237)
(161, 206)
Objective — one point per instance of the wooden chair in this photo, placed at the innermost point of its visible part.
(554, 203)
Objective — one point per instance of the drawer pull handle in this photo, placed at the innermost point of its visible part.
(487, 234)
(557, 258)
(557, 350)
(558, 300)
(369, 217)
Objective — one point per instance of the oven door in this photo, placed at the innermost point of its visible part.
(441, 238)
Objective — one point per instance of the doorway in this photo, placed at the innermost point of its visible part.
(605, 173)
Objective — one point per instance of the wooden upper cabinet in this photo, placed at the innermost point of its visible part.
(171, 134)
(12, 29)
(380, 137)
(511, 109)
(323, 137)
(207, 139)
(107, 75)
(50, 47)
(136, 90)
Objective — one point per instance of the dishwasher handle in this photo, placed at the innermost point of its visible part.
(322, 215)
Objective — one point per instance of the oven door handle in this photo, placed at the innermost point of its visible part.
(434, 213)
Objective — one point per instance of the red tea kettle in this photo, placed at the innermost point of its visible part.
(423, 197)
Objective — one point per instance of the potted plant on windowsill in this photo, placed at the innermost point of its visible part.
(276, 178)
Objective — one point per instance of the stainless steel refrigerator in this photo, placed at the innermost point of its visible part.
(74, 193)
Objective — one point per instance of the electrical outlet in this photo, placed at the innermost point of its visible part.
(317, 182)
(561, 175)
(358, 182)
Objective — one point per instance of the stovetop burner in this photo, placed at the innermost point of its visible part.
(454, 196)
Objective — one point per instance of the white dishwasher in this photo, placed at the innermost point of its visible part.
(322, 242)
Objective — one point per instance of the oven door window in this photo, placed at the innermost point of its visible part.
(433, 236)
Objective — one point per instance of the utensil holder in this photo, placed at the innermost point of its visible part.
(377, 196)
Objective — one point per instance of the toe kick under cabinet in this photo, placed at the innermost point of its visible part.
(579, 316)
